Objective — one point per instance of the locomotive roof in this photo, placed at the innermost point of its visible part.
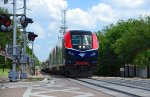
(80, 32)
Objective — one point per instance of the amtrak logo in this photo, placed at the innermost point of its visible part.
(82, 54)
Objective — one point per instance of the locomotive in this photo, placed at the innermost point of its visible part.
(75, 55)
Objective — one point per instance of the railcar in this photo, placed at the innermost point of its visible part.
(75, 55)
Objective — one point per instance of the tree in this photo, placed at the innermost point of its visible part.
(29, 51)
(142, 59)
(124, 42)
(134, 41)
(108, 63)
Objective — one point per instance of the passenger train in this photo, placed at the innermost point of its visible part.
(75, 55)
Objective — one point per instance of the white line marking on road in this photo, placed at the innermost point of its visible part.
(27, 92)
(72, 90)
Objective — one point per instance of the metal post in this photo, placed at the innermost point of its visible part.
(14, 34)
(33, 58)
(13, 75)
(23, 74)
(24, 28)
(32, 49)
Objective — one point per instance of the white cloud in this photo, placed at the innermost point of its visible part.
(37, 29)
(130, 8)
(53, 28)
(79, 18)
(55, 7)
(47, 9)
(103, 12)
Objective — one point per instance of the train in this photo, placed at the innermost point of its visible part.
(75, 55)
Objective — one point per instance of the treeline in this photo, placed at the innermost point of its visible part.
(7, 38)
(126, 42)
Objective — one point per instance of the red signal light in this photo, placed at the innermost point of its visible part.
(32, 36)
(5, 20)
(5, 23)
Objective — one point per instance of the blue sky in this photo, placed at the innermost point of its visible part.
(83, 4)
(81, 14)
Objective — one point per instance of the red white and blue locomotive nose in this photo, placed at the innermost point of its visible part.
(82, 54)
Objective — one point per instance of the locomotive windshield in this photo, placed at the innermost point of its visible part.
(82, 41)
(76, 40)
(87, 40)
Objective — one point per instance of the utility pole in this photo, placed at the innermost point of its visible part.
(13, 74)
(23, 74)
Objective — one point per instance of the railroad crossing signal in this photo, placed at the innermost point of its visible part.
(5, 23)
(24, 21)
(32, 36)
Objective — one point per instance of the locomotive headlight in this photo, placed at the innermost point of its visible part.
(79, 46)
(84, 47)
(93, 54)
(70, 53)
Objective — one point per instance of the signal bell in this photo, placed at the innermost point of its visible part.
(24, 21)
(5, 23)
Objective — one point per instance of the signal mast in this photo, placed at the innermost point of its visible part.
(63, 27)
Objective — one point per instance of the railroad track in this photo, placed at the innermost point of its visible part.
(115, 88)
(137, 83)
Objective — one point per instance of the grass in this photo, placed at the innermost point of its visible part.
(35, 79)
(5, 73)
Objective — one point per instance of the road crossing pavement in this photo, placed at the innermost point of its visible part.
(56, 87)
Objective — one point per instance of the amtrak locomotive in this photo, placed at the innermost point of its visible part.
(75, 55)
